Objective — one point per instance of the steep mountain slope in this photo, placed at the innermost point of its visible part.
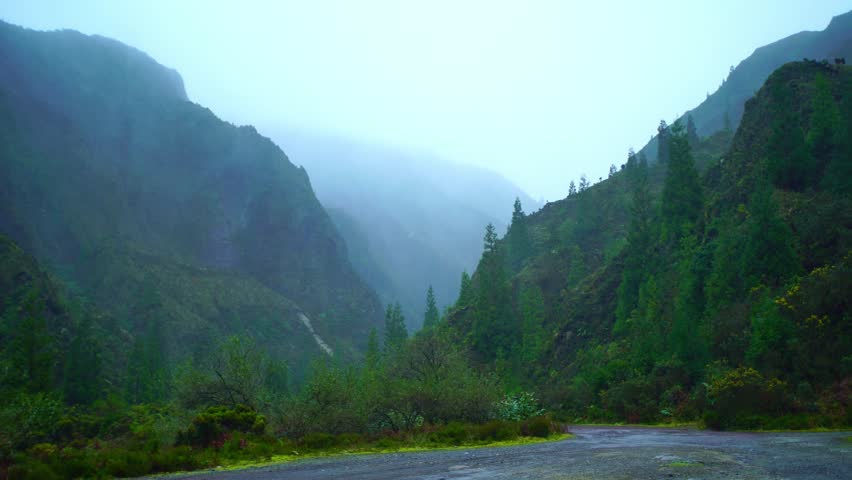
(154, 208)
(410, 219)
(747, 77)
(632, 304)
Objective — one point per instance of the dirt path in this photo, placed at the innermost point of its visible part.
(596, 453)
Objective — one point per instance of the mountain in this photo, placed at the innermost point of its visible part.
(410, 219)
(712, 286)
(157, 211)
(726, 105)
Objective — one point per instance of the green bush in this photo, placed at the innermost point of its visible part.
(454, 433)
(498, 430)
(319, 441)
(540, 427)
(211, 425)
(743, 398)
(517, 407)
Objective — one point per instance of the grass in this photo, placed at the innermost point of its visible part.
(373, 449)
(683, 464)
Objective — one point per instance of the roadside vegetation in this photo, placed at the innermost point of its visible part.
(418, 393)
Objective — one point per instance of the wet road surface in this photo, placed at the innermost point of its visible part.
(596, 453)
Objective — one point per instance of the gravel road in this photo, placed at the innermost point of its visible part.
(595, 453)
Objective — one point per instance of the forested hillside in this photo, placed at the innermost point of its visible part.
(714, 283)
(160, 213)
(723, 109)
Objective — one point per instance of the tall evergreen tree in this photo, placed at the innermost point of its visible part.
(493, 329)
(789, 162)
(371, 359)
(691, 132)
(663, 137)
(466, 294)
(518, 237)
(682, 197)
(769, 256)
(572, 189)
(431, 316)
(584, 183)
(825, 134)
(639, 245)
(395, 332)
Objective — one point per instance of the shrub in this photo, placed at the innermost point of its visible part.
(454, 433)
(212, 424)
(517, 407)
(498, 430)
(319, 441)
(540, 427)
(743, 398)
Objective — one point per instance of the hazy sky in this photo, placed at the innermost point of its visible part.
(540, 91)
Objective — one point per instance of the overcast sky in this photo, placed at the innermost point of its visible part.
(540, 91)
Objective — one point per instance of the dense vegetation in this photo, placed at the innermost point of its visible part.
(664, 293)
(166, 278)
(165, 217)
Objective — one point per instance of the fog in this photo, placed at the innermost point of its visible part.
(540, 92)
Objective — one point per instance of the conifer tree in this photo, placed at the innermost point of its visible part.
(371, 359)
(466, 294)
(824, 135)
(682, 197)
(663, 137)
(639, 245)
(431, 316)
(395, 332)
(572, 189)
(789, 162)
(584, 183)
(691, 132)
(518, 237)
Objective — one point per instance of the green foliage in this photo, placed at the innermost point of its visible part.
(738, 397)
(215, 423)
(431, 317)
(517, 407)
(518, 238)
(395, 331)
(534, 336)
(682, 201)
(237, 373)
(790, 164)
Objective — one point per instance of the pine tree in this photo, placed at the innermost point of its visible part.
(466, 294)
(769, 256)
(395, 332)
(789, 162)
(584, 183)
(824, 135)
(639, 245)
(372, 358)
(518, 237)
(493, 329)
(572, 189)
(663, 138)
(682, 197)
(431, 316)
(691, 132)
(612, 170)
